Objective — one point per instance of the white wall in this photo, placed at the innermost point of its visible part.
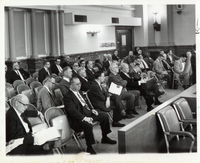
(77, 40)
(184, 25)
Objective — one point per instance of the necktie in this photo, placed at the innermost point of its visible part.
(83, 102)
(47, 71)
(59, 68)
(18, 72)
(145, 64)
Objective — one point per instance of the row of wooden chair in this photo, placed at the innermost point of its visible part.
(179, 127)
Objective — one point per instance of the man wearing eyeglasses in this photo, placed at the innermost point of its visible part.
(46, 97)
(18, 127)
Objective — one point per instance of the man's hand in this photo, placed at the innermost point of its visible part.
(95, 112)
(88, 119)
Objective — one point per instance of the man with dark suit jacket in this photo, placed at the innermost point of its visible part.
(56, 68)
(18, 73)
(44, 72)
(115, 56)
(137, 84)
(7, 75)
(66, 61)
(90, 71)
(18, 126)
(65, 82)
(81, 115)
(131, 98)
(85, 84)
(104, 102)
(75, 68)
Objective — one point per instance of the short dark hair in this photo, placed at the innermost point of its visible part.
(98, 74)
(45, 62)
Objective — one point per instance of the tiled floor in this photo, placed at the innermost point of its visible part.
(106, 148)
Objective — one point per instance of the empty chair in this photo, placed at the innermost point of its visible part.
(29, 81)
(8, 85)
(176, 139)
(52, 112)
(185, 115)
(29, 93)
(56, 117)
(34, 85)
(10, 92)
(22, 87)
(16, 83)
(59, 96)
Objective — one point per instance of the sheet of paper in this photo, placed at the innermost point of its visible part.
(46, 135)
(115, 89)
(15, 144)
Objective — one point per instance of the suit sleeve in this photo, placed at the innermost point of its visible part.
(113, 79)
(71, 109)
(15, 130)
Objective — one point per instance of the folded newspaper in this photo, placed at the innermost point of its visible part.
(48, 134)
(115, 89)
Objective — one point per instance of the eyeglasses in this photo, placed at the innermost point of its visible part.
(26, 105)
(77, 84)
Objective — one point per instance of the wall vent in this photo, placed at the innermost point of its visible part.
(115, 20)
(80, 18)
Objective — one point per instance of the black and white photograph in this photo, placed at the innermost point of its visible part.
(100, 81)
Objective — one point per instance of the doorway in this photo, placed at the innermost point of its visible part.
(124, 40)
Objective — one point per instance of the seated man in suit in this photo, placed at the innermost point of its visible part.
(161, 72)
(131, 98)
(130, 58)
(81, 115)
(183, 69)
(82, 63)
(44, 72)
(46, 97)
(75, 68)
(18, 73)
(18, 126)
(90, 71)
(105, 102)
(135, 82)
(148, 60)
(66, 61)
(64, 83)
(85, 84)
(56, 68)
(7, 75)
(115, 56)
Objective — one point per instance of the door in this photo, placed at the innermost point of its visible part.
(124, 37)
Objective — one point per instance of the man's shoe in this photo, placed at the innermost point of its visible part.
(107, 140)
(117, 124)
(149, 108)
(158, 103)
(128, 116)
(135, 112)
(90, 150)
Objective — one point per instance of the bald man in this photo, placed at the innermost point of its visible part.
(18, 126)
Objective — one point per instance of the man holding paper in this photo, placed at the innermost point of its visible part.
(18, 126)
(104, 102)
(81, 115)
(131, 98)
